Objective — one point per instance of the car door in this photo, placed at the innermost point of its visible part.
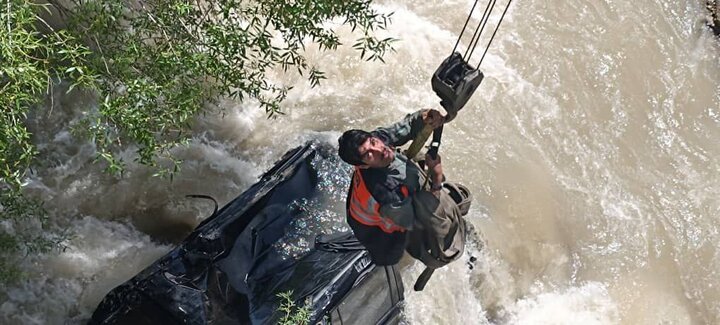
(375, 300)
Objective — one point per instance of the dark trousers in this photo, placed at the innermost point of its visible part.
(385, 248)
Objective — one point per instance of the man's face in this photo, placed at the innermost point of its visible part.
(375, 154)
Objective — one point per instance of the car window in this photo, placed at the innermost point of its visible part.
(368, 302)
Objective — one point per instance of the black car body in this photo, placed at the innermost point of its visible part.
(233, 265)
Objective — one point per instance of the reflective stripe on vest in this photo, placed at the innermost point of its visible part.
(365, 210)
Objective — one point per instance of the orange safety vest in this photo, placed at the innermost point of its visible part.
(366, 210)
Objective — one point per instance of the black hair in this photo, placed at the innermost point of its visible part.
(349, 144)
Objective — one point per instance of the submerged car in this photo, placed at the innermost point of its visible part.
(285, 234)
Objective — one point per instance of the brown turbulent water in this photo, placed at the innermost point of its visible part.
(591, 148)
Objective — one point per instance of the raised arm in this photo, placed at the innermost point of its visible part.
(409, 127)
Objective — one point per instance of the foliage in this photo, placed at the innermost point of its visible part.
(161, 61)
(291, 314)
(154, 65)
(30, 60)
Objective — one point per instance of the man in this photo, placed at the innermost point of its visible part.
(386, 185)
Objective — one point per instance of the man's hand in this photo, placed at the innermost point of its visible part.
(434, 165)
(433, 118)
(436, 173)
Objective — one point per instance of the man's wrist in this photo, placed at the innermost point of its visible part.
(436, 186)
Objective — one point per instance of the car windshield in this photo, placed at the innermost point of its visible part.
(323, 213)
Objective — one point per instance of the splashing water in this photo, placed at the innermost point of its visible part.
(590, 149)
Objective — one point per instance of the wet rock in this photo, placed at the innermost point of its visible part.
(713, 7)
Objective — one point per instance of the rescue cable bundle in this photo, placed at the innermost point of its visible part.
(455, 80)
